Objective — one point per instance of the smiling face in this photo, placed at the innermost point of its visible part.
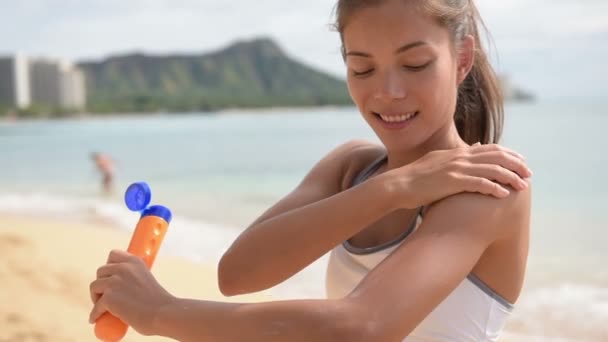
(404, 72)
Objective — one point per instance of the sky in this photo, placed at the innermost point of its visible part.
(554, 48)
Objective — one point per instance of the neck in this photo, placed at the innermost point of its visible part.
(443, 139)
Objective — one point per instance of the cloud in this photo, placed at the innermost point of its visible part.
(545, 19)
(522, 29)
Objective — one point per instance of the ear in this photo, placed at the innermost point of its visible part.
(466, 57)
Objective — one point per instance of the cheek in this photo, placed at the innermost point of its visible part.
(440, 90)
(358, 91)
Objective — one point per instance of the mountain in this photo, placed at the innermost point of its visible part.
(253, 73)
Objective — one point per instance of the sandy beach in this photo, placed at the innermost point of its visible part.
(45, 270)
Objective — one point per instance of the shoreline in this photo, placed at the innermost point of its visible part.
(219, 111)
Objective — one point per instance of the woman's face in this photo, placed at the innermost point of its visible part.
(403, 72)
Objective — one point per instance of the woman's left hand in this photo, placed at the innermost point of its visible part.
(126, 288)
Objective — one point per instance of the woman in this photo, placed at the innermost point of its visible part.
(429, 231)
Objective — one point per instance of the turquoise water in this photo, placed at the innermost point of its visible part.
(218, 172)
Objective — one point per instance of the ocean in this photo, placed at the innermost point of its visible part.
(219, 171)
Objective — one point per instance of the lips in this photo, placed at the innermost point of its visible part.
(396, 120)
(396, 117)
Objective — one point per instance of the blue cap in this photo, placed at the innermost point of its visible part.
(138, 196)
(158, 210)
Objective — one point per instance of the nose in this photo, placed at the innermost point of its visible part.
(391, 86)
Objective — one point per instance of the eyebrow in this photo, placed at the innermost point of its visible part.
(398, 51)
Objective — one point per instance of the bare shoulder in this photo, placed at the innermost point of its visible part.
(358, 150)
(343, 162)
(485, 216)
(358, 154)
(334, 169)
(327, 177)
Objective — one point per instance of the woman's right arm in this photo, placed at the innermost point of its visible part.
(318, 215)
(304, 225)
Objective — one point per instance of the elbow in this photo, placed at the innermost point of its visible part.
(236, 277)
(355, 323)
(355, 333)
(361, 331)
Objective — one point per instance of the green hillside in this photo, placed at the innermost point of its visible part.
(245, 74)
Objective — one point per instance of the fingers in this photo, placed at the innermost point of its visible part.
(117, 256)
(98, 310)
(97, 288)
(478, 148)
(120, 265)
(497, 173)
(108, 270)
(103, 272)
(117, 263)
(484, 186)
(504, 159)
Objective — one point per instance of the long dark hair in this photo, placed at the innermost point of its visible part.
(479, 111)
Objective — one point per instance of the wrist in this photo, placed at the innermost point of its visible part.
(397, 186)
(163, 317)
(389, 190)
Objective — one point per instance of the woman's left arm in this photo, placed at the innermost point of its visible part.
(402, 290)
(386, 306)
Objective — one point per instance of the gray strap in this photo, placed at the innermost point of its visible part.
(360, 178)
(369, 250)
(369, 170)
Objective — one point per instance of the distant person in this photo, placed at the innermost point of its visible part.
(105, 166)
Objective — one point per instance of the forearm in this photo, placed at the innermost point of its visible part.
(277, 248)
(305, 320)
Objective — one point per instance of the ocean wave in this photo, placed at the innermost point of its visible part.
(569, 312)
(196, 240)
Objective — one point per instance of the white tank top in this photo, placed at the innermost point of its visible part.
(472, 312)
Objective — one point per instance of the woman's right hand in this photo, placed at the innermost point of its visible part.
(485, 169)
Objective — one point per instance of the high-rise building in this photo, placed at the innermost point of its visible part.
(26, 81)
(15, 90)
(73, 85)
(57, 83)
(45, 79)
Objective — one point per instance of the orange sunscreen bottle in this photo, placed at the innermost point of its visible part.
(145, 243)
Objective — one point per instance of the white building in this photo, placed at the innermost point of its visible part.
(58, 83)
(73, 85)
(15, 89)
(26, 81)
